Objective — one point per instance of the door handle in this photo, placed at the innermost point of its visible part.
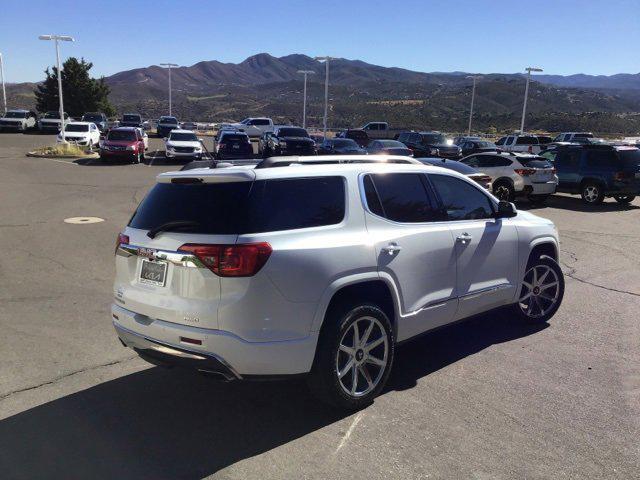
(392, 248)
(464, 238)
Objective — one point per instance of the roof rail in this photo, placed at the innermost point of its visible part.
(272, 162)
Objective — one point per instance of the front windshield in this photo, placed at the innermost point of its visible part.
(183, 137)
(16, 115)
(92, 118)
(345, 142)
(131, 118)
(121, 135)
(292, 132)
(485, 145)
(76, 128)
(434, 139)
(172, 120)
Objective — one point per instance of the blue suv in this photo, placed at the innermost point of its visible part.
(597, 171)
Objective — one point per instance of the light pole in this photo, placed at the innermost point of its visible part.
(56, 39)
(169, 66)
(473, 96)
(304, 96)
(4, 93)
(326, 93)
(526, 93)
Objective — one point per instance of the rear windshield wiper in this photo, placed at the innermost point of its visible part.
(167, 226)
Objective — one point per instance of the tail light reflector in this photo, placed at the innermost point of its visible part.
(122, 240)
(242, 260)
(525, 172)
(623, 175)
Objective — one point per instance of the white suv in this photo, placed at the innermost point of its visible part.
(321, 267)
(183, 144)
(516, 174)
(84, 134)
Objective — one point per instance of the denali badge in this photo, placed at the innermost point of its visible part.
(149, 253)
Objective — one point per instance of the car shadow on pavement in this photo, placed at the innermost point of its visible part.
(161, 423)
(575, 204)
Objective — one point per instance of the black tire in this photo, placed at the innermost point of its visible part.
(324, 381)
(624, 198)
(542, 309)
(538, 199)
(592, 193)
(503, 190)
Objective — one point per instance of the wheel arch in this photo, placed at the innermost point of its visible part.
(597, 180)
(500, 180)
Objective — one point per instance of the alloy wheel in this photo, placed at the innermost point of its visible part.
(591, 193)
(362, 356)
(540, 291)
(502, 192)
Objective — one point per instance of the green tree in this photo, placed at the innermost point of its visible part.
(81, 93)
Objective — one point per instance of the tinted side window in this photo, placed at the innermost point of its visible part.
(527, 141)
(296, 203)
(599, 159)
(472, 161)
(373, 202)
(501, 141)
(404, 197)
(461, 200)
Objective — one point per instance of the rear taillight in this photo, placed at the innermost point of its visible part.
(222, 146)
(243, 260)
(525, 172)
(122, 240)
(623, 175)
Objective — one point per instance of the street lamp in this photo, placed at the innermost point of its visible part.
(526, 93)
(326, 92)
(304, 96)
(56, 39)
(4, 93)
(473, 96)
(169, 66)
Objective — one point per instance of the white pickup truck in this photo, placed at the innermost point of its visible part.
(381, 130)
(252, 126)
(521, 143)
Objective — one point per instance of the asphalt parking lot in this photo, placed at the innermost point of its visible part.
(486, 398)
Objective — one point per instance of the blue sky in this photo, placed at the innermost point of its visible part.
(562, 36)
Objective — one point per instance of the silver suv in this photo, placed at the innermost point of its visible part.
(321, 266)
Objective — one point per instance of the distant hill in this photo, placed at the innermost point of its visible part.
(267, 85)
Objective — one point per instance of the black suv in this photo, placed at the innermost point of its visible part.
(430, 144)
(287, 141)
(131, 120)
(597, 171)
(234, 145)
(99, 118)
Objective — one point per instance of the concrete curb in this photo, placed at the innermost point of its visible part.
(35, 154)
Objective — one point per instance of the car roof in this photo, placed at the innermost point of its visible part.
(79, 123)
(124, 129)
(247, 173)
(180, 130)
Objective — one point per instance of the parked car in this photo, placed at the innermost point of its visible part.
(381, 130)
(388, 147)
(123, 143)
(234, 145)
(18, 120)
(254, 127)
(576, 137)
(131, 120)
(189, 126)
(50, 122)
(598, 171)
(317, 138)
(165, 125)
(469, 172)
(521, 143)
(469, 147)
(99, 119)
(145, 138)
(321, 270)
(84, 134)
(516, 174)
(183, 144)
(430, 144)
(340, 146)
(360, 136)
(287, 141)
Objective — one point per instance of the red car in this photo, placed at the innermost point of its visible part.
(124, 143)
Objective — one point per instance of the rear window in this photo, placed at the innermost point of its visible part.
(131, 118)
(172, 120)
(244, 207)
(235, 138)
(76, 128)
(292, 132)
(630, 158)
(527, 141)
(535, 162)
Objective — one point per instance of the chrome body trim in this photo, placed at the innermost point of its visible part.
(484, 291)
(181, 259)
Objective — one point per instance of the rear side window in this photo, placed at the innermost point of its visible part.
(501, 141)
(527, 141)
(460, 200)
(402, 197)
(600, 159)
(535, 162)
(243, 207)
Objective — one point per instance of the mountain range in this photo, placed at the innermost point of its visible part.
(267, 85)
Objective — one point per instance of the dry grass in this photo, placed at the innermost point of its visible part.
(62, 150)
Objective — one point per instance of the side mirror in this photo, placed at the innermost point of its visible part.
(165, 139)
(506, 210)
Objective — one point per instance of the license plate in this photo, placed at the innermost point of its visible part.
(153, 273)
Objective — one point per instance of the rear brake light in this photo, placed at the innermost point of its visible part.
(524, 172)
(221, 146)
(122, 240)
(242, 260)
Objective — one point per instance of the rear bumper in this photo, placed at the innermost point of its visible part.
(220, 351)
(542, 188)
(117, 153)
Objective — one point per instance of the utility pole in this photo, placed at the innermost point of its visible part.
(304, 96)
(326, 92)
(526, 93)
(473, 96)
(169, 66)
(56, 39)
